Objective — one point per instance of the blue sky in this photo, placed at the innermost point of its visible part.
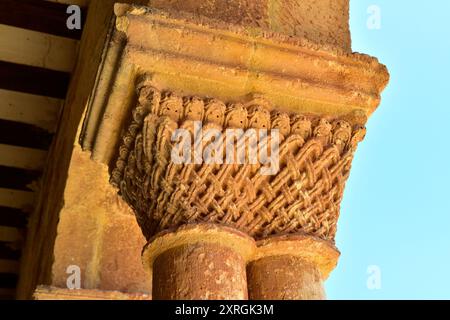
(396, 209)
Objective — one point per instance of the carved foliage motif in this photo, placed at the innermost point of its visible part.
(315, 155)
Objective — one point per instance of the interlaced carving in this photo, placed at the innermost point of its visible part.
(315, 155)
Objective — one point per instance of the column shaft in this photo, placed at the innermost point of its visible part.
(199, 262)
(284, 277)
(199, 271)
(291, 267)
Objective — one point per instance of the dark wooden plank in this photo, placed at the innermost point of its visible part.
(24, 135)
(7, 294)
(9, 251)
(38, 15)
(17, 178)
(10, 217)
(8, 280)
(34, 80)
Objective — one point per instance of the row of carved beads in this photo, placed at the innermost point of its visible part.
(253, 114)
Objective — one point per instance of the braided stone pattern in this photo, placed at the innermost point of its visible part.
(315, 156)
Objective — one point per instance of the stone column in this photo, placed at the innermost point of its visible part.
(274, 65)
(290, 268)
(284, 277)
(198, 262)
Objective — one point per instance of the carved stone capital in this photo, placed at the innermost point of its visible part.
(164, 71)
(304, 195)
(190, 55)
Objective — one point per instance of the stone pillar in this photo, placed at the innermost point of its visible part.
(199, 262)
(250, 67)
(290, 268)
(284, 277)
